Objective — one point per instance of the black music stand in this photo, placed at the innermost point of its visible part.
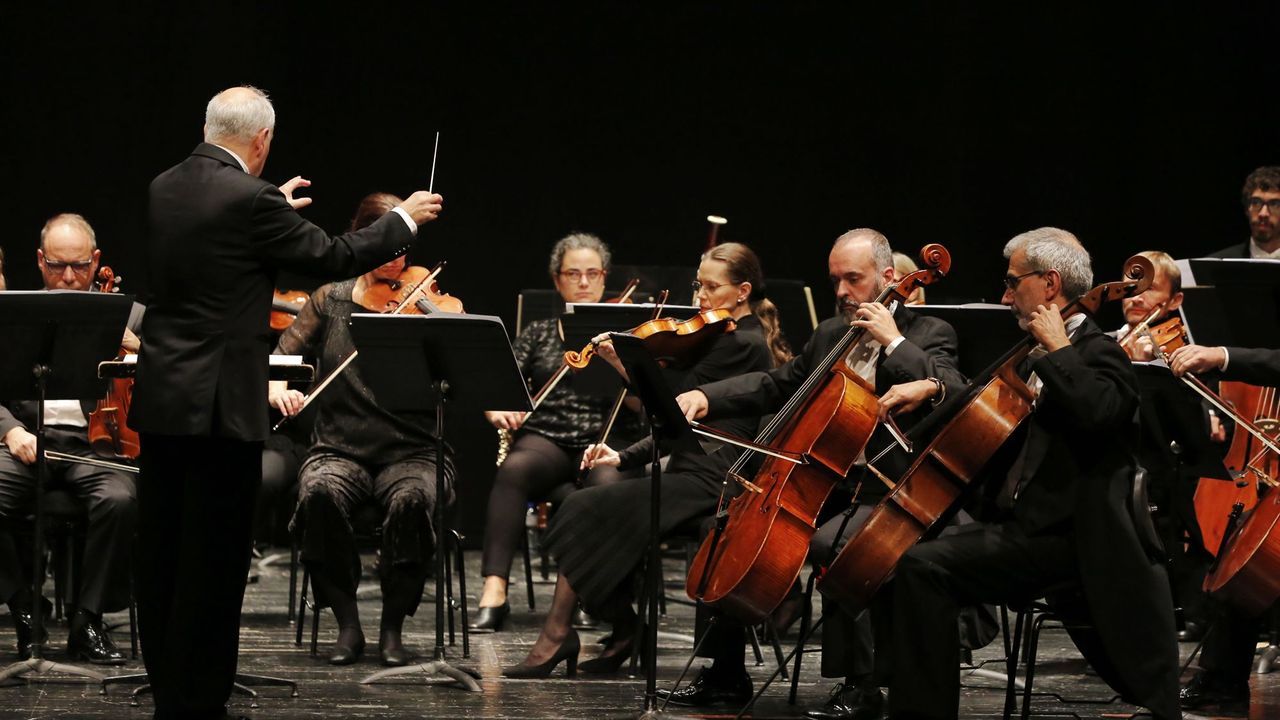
(420, 362)
(984, 331)
(53, 341)
(669, 429)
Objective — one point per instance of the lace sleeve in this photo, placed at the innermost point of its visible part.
(303, 336)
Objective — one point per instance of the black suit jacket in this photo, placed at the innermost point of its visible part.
(1256, 366)
(216, 238)
(928, 351)
(1233, 251)
(1079, 474)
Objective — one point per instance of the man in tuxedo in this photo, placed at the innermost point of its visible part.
(1063, 516)
(898, 346)
(68, 258)
(1261, 198)
(217, 236)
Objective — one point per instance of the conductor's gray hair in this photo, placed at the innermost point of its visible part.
(238, 116)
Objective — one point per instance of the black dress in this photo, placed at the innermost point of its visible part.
(600, 534)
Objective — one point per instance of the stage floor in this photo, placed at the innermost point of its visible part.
(267, 647)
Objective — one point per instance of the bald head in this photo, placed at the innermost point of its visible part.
(242, 120)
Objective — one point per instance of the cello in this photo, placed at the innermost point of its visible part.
(761, 539)
(995, 405)
(1214, 498)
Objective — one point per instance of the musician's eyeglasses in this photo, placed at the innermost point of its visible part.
(699, 286)
(58, 267)
(1255, 205)
(1011, 281)
(593, 276)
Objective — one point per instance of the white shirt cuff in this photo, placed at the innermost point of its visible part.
(1226, 358)
(413, 226)
(894, 345)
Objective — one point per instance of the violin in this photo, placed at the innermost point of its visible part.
(414, 292)
(998, 402)
(667, 339)
(1165, 337)
(285, 306)
(109, 433)
(749, 562)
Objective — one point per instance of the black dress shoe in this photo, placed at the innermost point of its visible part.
(347, 655)
(23, 627)
(1203, 690)
(1192, 631)
(851, 703)
(490, 619)
(612, 657)
(709, 689)
(568, 651)
(392, 649)
(90, 641)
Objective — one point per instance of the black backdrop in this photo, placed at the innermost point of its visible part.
(933, 123)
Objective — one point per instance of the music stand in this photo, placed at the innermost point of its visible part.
(53, 341)
(984, 332)
(668, 427)
(420, 362)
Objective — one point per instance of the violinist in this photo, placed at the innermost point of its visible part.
(903, 265)
(68, 258)
(1151, 307)
(361, 453)
(1061, 495)
(548, 443)
(1222, 680)
(599, 534)
(900, 346)
(1261, 198)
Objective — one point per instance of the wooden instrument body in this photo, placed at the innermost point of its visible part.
(1248, 573)
(930, 489)
(770, 530)
(109, 431)
(1215, 498)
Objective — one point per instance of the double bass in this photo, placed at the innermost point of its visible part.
(749, 563)
(994, 406)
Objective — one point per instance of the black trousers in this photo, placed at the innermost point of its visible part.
(109, 495)
(195, 503)
(916, 614)
(1230, 644)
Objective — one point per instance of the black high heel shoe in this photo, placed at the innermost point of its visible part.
(612, 657)
(568, 652)
(490, 619)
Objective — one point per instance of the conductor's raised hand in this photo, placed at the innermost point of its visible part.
(423, 206)
(297, 181)
(600, 455)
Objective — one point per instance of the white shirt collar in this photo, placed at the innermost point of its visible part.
(1256, 251)
(233, 154)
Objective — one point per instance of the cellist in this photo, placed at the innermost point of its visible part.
(901, 346)
(1062, 516)
(1222, 680)
(68, 258)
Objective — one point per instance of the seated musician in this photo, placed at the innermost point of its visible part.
(1261, 198)
(361, 453)
(548, 444)
(899, 346)
(903, 265)
(1063, 516)
(1226, 660)
(68, 258)
(1151, 307)
(599, 535)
